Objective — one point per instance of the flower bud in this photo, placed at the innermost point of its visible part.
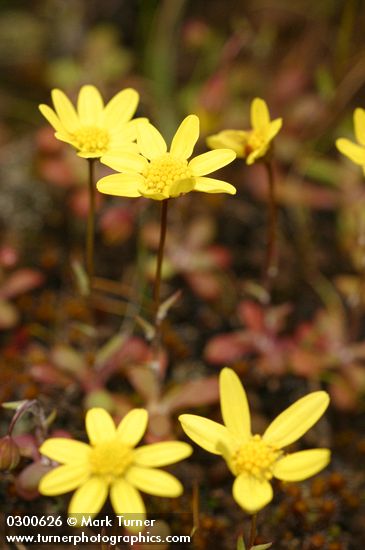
(9, 453)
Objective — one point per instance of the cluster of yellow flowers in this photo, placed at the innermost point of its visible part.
(112, 463)
(136, 150)
(144, 166)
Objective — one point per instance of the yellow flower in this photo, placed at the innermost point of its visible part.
(250, 144)
(255, 459)
(158, 174)
(111, 463)
(94, 129)
(353, 151)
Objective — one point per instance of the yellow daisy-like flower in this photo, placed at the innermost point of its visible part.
(94, 129)
(255, 459)
(110, 463)
(250, 144)
(353, 151)
(159, 174)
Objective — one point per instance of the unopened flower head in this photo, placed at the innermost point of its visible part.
(250, 144)
(256, 459)
(159, 174)
(355, 151)
(111, 463)
(9, 453)
(92, 128)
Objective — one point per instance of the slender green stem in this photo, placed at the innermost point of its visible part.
(271, 263)
(90, 235)
(253, 531)
(161, 247)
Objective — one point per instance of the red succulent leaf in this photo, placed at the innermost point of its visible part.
(194, 393)
(227, 348)
(21, 281)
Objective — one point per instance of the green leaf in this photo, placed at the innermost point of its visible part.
(261, 546)
(240, 544)
(13, 405)
(109, 349)
(167, 304)
(81, 278)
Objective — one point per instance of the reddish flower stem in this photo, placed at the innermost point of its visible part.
(161, 247)
(253, 531)
(271, 263)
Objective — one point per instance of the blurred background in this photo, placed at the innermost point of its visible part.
(307, 60)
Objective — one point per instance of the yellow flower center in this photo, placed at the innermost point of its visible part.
(163, 172)
(110, 459)
(91, 139)
(256, 140)
(255, 458)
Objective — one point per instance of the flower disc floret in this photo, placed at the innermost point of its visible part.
(163, 172)
(91, 139)
(256, 458)
(256, 140)
(110, 459)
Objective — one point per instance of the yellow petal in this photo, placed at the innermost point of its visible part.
(251, 494)
(211, 185)
(121, 108)
(257, 153)
(154, 482)
(150, 142)
(90, 106)
(119, 145)
(211, 161)
(354, 152)
(229, 139)
(274, 128)
(99, 426)
(125, 161)
(301, 465)
(206, 433)
(126, 499)
(88, 155)
(153, 194)
(161, 454)
(359, 124)
(89, 498)
(63, 479)
(127, 131)
(186, 136)
(52, 118)
(121, 185)
(65, 110)
(297, 419)
(260, 117)
(65, 450)
(234, 405)
(180, 187)
(132, 427)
